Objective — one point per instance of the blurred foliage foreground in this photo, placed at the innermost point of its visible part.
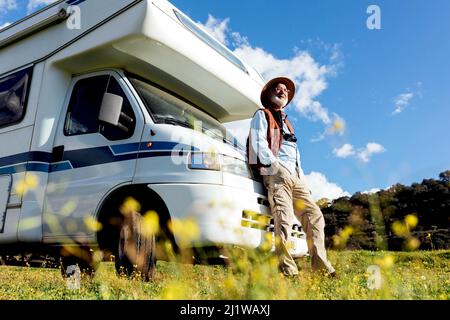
(249, 275)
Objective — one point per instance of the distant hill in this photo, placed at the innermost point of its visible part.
(399, 218)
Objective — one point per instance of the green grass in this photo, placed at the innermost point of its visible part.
(405, 275)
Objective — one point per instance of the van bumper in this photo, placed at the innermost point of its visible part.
(206, 215)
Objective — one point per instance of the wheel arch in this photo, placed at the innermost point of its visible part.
(110, 218)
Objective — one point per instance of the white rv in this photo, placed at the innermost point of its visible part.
(103, 101)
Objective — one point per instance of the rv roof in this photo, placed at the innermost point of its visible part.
(149, 38)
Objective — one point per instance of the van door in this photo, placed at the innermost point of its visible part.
(89, 157)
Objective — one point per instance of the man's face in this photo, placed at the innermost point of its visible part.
(279, 95)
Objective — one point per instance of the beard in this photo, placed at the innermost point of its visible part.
(278, 102)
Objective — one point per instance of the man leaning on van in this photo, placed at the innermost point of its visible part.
(272, 150)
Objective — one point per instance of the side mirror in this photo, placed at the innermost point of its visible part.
(111, 109)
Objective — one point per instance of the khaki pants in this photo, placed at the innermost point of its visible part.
(289, 195)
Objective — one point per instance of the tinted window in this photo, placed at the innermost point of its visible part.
(166, 108)
(13, 96)
(84, 108)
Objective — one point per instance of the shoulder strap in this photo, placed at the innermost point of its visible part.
(289, 125)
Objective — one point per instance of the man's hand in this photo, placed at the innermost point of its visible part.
(271, 169)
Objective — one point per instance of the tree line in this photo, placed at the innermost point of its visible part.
(399, 218)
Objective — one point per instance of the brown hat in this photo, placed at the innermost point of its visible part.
(265, 91)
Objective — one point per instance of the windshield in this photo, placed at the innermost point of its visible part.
(166, 108)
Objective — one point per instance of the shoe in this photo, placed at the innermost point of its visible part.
(291, 276)
(333, 275)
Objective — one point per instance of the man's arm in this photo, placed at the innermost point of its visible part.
(299, 165)
(258, 139)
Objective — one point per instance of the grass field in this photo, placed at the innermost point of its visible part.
(403, 275)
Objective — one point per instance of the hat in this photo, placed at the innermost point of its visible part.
(265, 91)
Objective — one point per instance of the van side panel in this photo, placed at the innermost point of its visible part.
(51, 93)
(16, 158)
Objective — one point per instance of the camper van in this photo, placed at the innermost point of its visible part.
(112, 134)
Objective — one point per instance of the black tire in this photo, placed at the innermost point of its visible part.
(136, 253)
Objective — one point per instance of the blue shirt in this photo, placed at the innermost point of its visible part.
(288, 156)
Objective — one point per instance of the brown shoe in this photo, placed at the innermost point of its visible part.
(333, 275)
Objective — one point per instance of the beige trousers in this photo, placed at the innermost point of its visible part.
(289, 195)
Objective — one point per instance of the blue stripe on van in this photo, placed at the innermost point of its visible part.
(125, 148)
(166, 146)
(73, 159)
(25, 157)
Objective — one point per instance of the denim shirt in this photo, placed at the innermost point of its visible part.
(288, 156)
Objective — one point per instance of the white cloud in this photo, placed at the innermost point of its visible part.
(345, 151)
(309, 76)
(371, 148)
(371, 191)
(4, 25)
(322, 188)
(7, 5)
(34, 4)
(239, 129)
(402, 101)
(217, 28)
(363, 154)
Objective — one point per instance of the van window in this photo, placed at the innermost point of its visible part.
(167, 108)
(13, 96)
(84, 108)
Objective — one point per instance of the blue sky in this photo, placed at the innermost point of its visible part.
(374, 108)
(404, 66)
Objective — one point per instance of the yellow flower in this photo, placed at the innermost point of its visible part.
(186, 230)
(174, 291)
(130, 205)
(386, 262)
(30, 182)
(68, 208)
(347, 232)
(341, 239)
(30, 223)
(411, 221)
(92, 224)
(150, 224)
(299, 205)
(268, 242)
(338, 126)
(400, 229)
(412, 243)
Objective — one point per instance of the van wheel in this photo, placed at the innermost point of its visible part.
(136, 249)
